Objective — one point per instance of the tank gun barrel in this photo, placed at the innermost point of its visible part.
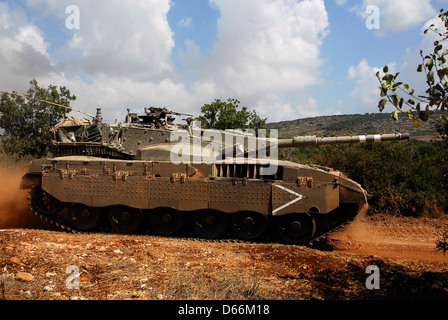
(313, 141)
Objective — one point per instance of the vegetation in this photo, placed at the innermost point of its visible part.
(225, 115)
(26, 120)
(421, 107)
(401, 177)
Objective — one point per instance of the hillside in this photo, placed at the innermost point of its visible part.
(366, 124)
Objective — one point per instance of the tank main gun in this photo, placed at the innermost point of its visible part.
(313, 141)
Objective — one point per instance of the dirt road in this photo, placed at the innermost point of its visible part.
(34, 262)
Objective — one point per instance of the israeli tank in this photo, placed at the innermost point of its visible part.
(150, 175)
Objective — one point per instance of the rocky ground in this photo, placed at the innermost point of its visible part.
(43, 264)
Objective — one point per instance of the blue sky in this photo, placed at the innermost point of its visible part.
(286, 59)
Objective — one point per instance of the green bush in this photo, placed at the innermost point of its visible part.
(402, 177)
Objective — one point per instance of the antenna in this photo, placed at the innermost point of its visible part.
(55, 104)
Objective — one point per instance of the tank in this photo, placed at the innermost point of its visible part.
(150, 175)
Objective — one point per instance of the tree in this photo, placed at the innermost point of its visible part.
(420, 107)
(26, 120)
(225, 115)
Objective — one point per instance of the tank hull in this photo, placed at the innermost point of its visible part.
(217, 200)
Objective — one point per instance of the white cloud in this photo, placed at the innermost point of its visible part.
(365, 93)
(32, 36)
(268, 47)
(276, 109)
(123, 49)
(398, 15)
(185, 23)
(23, 50)
(264, 49)
(117, 38)
(122, 54)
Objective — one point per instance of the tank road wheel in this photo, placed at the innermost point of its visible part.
(166, 221)
(210, 224)
(125, 219)
(84, 218)
(249, 225)
(296, 228)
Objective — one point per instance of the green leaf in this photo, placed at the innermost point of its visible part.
(385, 69)
(388, 78)
(394, 115)
(420, 68)
(382, 104)
(395, 100)
(396, 85)
(430, 77)
(423, 115)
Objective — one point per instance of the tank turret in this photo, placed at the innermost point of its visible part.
(148, 173)
(153, 135)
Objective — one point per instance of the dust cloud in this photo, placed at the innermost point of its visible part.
(14, 209)
(357, 229)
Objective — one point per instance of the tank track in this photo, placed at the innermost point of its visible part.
(64, 225)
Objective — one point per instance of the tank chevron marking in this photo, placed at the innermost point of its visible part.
(299, 197)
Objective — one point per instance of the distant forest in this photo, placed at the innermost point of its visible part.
(355, 123)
